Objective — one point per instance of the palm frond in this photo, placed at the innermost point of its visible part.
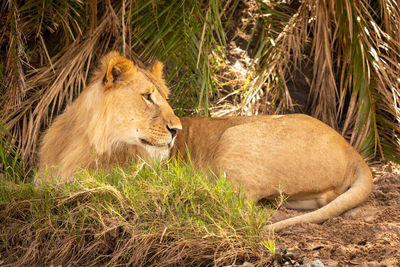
(16, 59)
(323, 91)
(50, 89)
(369, 72)
(187, 34)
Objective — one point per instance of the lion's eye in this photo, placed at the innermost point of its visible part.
(148, 97)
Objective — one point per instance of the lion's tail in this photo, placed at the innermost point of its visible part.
(355, 195)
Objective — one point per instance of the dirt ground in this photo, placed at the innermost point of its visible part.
(368, 235)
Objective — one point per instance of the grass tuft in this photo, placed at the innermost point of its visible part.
(152, 215)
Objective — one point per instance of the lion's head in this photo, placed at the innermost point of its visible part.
(134, 106)
(123, 105)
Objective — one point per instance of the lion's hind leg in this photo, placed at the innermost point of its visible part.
(311, 202)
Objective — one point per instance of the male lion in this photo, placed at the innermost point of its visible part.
(124, 113)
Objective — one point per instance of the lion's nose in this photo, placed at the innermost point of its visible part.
(174, 126)
(173, 131)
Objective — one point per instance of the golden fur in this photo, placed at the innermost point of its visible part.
(123, 112)
(294, 155)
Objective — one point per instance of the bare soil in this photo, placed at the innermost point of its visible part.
(368, 235)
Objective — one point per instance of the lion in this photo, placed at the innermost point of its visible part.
(293, 155)
(124, 114)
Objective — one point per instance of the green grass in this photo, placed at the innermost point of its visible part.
(10, 160)
(160, 215)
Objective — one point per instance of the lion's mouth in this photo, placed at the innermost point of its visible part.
(145, 142)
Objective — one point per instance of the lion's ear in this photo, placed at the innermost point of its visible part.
(119, 69)
(157, 69)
